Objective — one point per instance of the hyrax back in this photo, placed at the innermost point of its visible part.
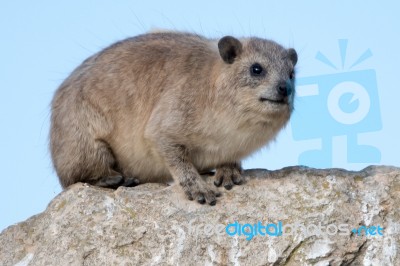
(170, 105)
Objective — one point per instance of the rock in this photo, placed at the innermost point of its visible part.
(153, 224)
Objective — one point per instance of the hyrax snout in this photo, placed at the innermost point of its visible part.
(171, 105)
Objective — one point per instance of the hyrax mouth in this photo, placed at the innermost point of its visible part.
(275, 101)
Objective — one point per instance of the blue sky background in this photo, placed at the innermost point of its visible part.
(43, 41)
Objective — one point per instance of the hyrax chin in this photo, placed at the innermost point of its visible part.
(171, 105)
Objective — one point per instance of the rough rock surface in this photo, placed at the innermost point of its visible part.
(153, 224)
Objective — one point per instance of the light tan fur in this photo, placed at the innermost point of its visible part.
(169, 105)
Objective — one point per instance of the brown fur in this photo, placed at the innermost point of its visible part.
(167, 105)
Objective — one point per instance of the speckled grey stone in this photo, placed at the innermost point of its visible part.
(153, 224)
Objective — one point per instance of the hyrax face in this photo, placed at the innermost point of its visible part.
(263, 75)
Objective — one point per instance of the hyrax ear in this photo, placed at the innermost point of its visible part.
(229, 48)
(292, 55)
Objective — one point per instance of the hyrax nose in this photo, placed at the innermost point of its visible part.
(284, 89)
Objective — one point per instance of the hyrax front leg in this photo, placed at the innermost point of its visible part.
(229, 174)
(183, 171)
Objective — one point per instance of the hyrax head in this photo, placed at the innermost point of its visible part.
(260, 76)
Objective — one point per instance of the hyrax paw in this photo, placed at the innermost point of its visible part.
(116, 181)
(201, 192)
(109, 181)
(130, 182)
(228, 176)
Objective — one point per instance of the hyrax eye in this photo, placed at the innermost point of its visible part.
(256, 69)
(291, 75)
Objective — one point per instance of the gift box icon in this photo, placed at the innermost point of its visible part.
(339, 104)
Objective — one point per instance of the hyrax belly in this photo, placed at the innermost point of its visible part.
(168, 105)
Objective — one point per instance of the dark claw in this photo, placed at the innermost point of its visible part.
(228, 187)
(201, 200)
(211, 173)
(109, 181)
(218, 183)
(130, 182)
(237, 182)
(212, 203)
(189, 196)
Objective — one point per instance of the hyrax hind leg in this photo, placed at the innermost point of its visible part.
(78, 148)
(100, 167)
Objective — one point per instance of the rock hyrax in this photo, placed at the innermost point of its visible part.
(171, 105)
